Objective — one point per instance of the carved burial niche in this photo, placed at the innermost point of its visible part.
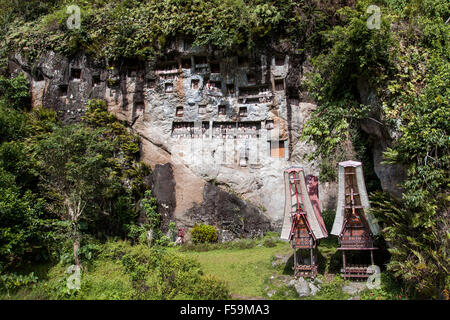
(243, 61)
(248, 129)
(294, 101)
(230, 88)
(96, 80)
(62, 90)
(277, 149)
(75, 74)
(182, 129)
(251, 79)
(200, 60)
(224, 130)
(132, 71)
(243, 112)
(214, 85)
(269, 124)
(166, 66)
(195, 84)
(279, 84)
(179, 112)
(215, 67)
(222, 110)
(186, 63)
(279, 60)
(168, 87)
(187, 44)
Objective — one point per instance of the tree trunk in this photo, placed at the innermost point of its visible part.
(76, 247)
(74, 213)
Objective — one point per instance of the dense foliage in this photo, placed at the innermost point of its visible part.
(140, 29)
(26, 229)
(398, 77)
(48, 170)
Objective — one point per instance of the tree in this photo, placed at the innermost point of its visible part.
(14, 92)
(23, 225)
(75, 171)
(12, 123)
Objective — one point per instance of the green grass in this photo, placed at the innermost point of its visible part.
(245, 270)
(248, 271)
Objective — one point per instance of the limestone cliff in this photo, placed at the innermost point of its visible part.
(233, 121)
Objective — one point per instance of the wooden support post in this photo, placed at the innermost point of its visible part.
(313, 264)
(295, 262)
(371, 257)
(344, 264)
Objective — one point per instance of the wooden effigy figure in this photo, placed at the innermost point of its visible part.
(303, 224)
(353, 224)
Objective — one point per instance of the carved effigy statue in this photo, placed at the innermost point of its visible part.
(313, 192)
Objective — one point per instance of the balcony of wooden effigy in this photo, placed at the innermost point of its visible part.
(190, 130)
(255, 94)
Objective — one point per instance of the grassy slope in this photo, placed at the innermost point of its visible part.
(243, 269)
(248, 272)
(104, 280)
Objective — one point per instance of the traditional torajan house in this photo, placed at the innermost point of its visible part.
(353, 224)
(303, 224)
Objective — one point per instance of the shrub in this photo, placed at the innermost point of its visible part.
(138, 234)
(12, 281)
(390, 289)
(89, 251)
(163, 241)
(210, 288)
(419, 247)
(243, 244)
(328, 219)
(158, 274)
(114, 250)
(204, 233)
(269, 242)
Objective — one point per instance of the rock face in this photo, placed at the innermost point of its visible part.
(381, 137)
(203, 117)
(164, 191)
(236, 217)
